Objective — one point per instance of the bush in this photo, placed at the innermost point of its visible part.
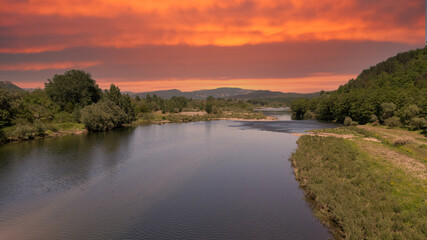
(39, 128)
(104, 115)
(417, 123)
(22, 132)
(374, 118)
(347, 121)
(392, 122)
(216, 110)
(403, 140)
(3, 138)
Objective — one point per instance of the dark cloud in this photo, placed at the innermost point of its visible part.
(278, 60)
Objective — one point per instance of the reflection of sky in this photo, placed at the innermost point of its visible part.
(201, 178)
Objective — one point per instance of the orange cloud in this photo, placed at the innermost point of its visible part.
(45, 66)
(56, 24)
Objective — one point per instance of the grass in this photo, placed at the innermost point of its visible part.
(27, 131)
(360, 195)
(153, 118)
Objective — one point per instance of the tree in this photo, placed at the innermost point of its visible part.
(388, 110)
(123, 101)
(5, 108)
(74, 88)
(209, 104)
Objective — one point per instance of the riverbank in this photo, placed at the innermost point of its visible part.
(36, 131)
(365, 182)
(183, 117)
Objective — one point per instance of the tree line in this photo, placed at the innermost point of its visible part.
(393, 93)
(75, 98)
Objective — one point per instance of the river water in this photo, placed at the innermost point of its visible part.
(202, 180)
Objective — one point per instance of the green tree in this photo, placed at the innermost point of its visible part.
(123, 101)
(74, 88)
(5, 108)
(209, 104)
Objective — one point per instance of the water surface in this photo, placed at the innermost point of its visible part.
(203, 180)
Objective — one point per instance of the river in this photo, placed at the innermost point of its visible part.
(201, 180)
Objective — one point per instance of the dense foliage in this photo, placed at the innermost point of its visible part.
(67, 101)
(73, 101)
(393, 92)
(73, 89)
(103, 115)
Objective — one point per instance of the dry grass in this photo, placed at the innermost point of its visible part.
(402, 140)
(365, 188)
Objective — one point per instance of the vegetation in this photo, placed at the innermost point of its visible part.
(365, 189)
(102, 116)
(68, 104)
(72, 102)
(393, 93)
(73, 90)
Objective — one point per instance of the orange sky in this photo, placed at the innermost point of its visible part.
(285, 45)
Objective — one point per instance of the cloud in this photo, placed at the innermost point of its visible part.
(143, 66)
(53, 24)
(37, 66)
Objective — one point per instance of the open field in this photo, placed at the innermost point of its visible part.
(366, 182)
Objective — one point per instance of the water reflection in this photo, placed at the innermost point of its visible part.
(174, 181)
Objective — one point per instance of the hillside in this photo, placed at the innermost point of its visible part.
(263, 94)
(393, 92)
(199, 94)
(235, 93)
(10, 86)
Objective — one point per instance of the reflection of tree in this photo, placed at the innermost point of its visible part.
(48, 165)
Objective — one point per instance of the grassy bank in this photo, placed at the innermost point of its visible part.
(27, 131)
(158, 117)
(365, 182)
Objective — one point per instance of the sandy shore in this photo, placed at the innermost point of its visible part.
(267, 119)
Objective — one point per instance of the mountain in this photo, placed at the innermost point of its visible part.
(236, 93)
(10, 86)
(199, 94)
(263, 94)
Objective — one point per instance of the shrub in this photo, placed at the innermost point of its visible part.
(3, 138)
(39, 128)
(22, 132)
(216, 110)
(392, 122)
(347, 121)
(410, 112)
(388, 110)
(403, 140)
(310, 115)
(104, 115)
(373, 118)
(417, 123)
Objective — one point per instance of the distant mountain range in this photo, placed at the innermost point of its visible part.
(199, 94)
(10, 86)
(237, 93)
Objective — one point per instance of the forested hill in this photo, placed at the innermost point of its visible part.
(10, 86)
(394, 92)
(404, 70)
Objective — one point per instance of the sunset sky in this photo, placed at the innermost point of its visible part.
(146, 45)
